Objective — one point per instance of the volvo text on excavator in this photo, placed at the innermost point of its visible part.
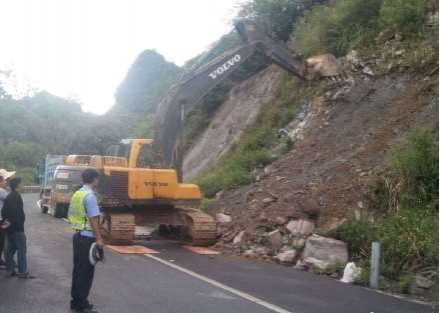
(140, 178)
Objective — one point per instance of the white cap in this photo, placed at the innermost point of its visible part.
(5, 174)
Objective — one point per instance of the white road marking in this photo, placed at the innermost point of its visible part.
(217, 284)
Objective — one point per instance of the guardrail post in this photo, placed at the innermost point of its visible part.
(375, 261)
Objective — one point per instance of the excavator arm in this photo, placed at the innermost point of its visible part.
(171, 109)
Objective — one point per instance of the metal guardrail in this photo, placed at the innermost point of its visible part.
(31, 189)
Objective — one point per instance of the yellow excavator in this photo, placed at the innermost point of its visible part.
(140, 179)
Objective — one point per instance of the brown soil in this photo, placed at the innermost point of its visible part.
(345, 144)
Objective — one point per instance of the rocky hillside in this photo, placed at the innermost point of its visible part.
(240, 109)
(346, 136)
(318, 171)
(341, 138)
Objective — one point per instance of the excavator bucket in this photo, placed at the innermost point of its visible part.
(324, 65)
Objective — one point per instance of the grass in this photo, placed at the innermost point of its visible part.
(406, 16)
(355, 24)
(335, 29)
(408, 230)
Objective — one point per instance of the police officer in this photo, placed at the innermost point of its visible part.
(84, 217)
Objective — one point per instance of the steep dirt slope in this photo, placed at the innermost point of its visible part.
(239, 110)
(345, 143)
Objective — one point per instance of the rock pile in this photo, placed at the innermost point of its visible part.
(287, 242)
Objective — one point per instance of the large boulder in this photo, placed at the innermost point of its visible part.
(223, 218)
(351, 273)
(286, 257)
(420, 285)
(275, 239)
(239, 238)
(422, 281)
(301, 228)
(325, 253)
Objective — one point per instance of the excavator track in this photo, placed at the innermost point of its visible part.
(199, 228)
(118, 228)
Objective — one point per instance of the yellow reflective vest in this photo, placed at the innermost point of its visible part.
(77, 212)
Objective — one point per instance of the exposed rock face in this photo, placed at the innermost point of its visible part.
(326, 172)
(301, 228)
(324, 253)
(341, 140)
(239, 110)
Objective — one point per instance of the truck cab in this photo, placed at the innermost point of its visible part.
(46, 172)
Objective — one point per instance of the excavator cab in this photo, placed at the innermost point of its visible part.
(137, 152)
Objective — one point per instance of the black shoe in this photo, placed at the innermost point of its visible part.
(25, 276)
(86, 310)
(89, 307)
(11, 274)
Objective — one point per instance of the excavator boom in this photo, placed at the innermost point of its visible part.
(171, 109)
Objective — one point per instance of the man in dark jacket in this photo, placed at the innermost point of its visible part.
(3, 195)
(13, 213)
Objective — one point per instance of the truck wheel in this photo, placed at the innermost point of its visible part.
(66, 210)
(59, 211)
(42, 207)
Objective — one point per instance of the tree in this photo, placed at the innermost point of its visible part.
(146, 82)
(277, 17)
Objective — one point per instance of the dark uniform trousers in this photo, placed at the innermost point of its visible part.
(2, 244)
(83, 271)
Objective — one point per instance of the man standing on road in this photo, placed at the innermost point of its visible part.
(84, 217)
(4, 175)
(13, 213)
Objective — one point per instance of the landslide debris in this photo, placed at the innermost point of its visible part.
(341, 142)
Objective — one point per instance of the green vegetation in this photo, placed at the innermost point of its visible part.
(34, 126)
(416, 170)
(349, 24)
(148, 78)
(259, 143)
(407, 16)
(277, 17)
(408, 231)
(405, 282)
(358, 235)
(334, 29)
(46, 124)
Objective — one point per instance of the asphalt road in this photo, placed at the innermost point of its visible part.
(187, 283)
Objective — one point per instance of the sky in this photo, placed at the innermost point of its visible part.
(82, 49)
